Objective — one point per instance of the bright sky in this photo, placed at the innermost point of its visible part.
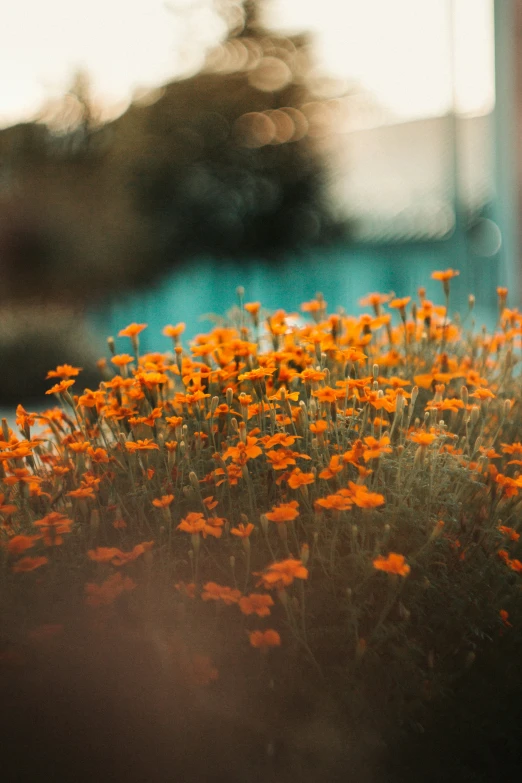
(397, 49)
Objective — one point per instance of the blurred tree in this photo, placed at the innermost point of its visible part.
(224, 163)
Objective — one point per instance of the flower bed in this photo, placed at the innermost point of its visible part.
(336, 518)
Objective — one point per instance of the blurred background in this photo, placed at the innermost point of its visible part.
(154, 155)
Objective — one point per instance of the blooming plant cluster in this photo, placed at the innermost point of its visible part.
(348, 501)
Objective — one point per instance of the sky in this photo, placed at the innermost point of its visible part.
(398, 50)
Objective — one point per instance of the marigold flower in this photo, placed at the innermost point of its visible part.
(335, 466)
(252, 308)
(341, 501)
(242, 531)
(141, 445)
(423, 438)
(163, 502)
(122, 359)
(64, 371)
(483, 394)
(193, 523)
(132, 330)
(79, 448)
(299, 479)
(258, 374)
(18, 544)
(256, 603)
(326, 394)
(52, 528)
(242, 452)
(280, 459)
(363, 498)
(508, 531)
(174, 331)
(281, 574)
(187, 589)
(214, 592)
(374, 300)
(446, 275)
(106, 593)
(27, 564)
(318, 427)
(58, 388)
(285, 512)
(23, 418)
(504, 617)
(393, 564)
(376, 447)
(400, 304)
(265, 639)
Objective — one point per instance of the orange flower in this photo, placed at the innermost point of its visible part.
(106, 593)
(193, 523)
(232, 475)
(299, 479)
(64, 371)
(281, 574)
(187, 589)
(445, 276)
(243, 531)
(256, 603)
(423, 438)
(52, 527)
(319, 426)
(27, 564)
(310, 375)
(163, 502)
(214, 592)
(23, 418)
(508, 531)
(363, 498)
(374, 300)
(258, 374)
(174, 331)
(79, 448)
(242, 452)
(132, 330)
(285, 512)
(326, 394)
(483, 394)
(504, 617)
(116, 557)
(333, 468)
(213, 527)
(265, 639)
(81, 492)
(393, 564)
(252, 307)
(59, 387)
(376, 447)
(280, 459)
(141, 445)
(122, 359)
(400, 304)
(19, 544)
(280, 439)
(341, 501)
